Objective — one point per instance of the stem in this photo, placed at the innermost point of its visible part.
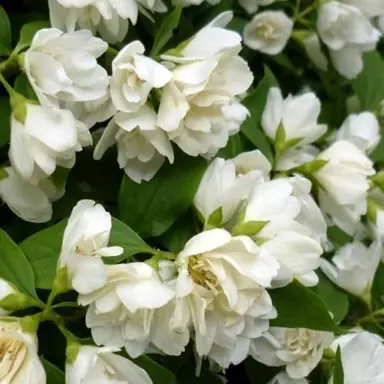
(6, 85)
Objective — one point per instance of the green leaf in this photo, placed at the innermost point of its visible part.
(335, 299)
(299, 307)
(150, 208)
(125, 237)
(338, 372)
(181, 231)
(156, 372)
(369, 85)
(43, 249)
(258, 373)
(23, 86)
(5, 116)
(255, 102)
(14, 266)
(54, 374)
(5, 33)
(165, 31)
(27, 33)
(236, 144)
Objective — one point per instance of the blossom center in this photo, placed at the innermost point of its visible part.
(201, 274)
(10, 350)
(266, 30)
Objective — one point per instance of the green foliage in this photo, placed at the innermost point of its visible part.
(299, 307)
(165, 31)
(369, 85)
(255, 102)
(338, 372)
(5, 116)
(14, 266)
(156, 372)
(150, 208)
(27, 33)
(5, 33)
(54, 374)
(43, 249)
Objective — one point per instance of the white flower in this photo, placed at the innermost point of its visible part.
(370, 8)
(296, 156)
(92, 112)
(268, 32)
(362, 356)
(296, 117)
(227, 182)
(47, 137)
(199, 108)
(300, 350)
(107, 17)
(313, 48)
(62, 66)
(141, 145)
(347, 33)
(26, 200)
(133, 77)
(283, 378)
(20, 361)
(291, 227)
(353, 267)
(222, 276)
(361, 129)
(133, 309)
(344, 184)
(95, 364)
(85, 242)
(251, 6)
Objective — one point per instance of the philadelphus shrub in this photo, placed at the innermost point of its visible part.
(192, 192)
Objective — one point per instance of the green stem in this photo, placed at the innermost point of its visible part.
(6, 85)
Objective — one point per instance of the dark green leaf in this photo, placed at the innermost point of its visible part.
(5, 114)
(299, 307)
(14, 266)
(28, 32)
(54, 374)
(43, 249)
(5, 33)
(378, 153)
(23, 86)
(369, 85)
(338, 237)
(338, 372)
(255, 102)
(236, 144)
(125, 237)
(180, 232)
(150, 208)
(157, 372)
(165, 31)
(258, 373)
(336, 300)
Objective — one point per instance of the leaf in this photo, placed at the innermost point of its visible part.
(125, 237)
(150, 208)
(28, 32)
(5, 116)
(54, 374)
(299, 307)
(335, 299)
(14, 266)
(236, 144)
(338, 372)
(369, 85)
(5, 33)
(165, 31)
(156, 372)
(23, 86)
(42, 250)
(255, 102)
(181, 231)
(259, 373)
